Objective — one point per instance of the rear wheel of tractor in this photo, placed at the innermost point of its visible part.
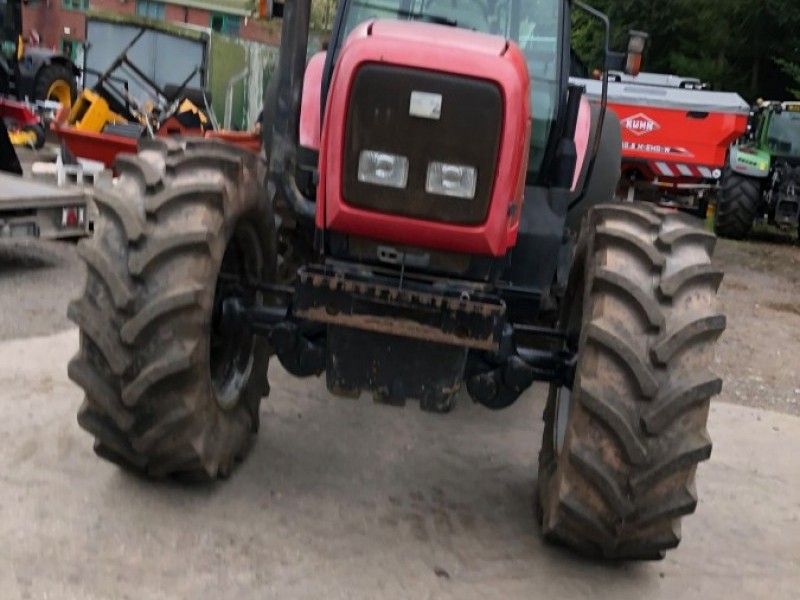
(169, 389)
(56, 82)
(737, 205)
(622, 444)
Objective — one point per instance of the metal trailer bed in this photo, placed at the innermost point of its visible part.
(33, 209)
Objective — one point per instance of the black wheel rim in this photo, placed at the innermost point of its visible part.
(232, 345)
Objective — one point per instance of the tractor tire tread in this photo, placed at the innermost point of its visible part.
(120, 289)
(145, 312)
(737, 205)
(130, 221)
(636, 428)
(158, 308)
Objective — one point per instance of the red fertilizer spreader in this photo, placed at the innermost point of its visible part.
(675, 136)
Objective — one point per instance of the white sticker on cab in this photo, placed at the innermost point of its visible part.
(426, 105)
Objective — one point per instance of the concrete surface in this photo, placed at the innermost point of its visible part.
(37, 281)
(346, 499)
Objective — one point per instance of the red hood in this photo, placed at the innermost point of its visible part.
(451, 52)
(440, 35)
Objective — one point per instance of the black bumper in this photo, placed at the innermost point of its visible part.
(437, 311)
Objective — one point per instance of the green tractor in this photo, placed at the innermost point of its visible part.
(764, 175)
(31, 72)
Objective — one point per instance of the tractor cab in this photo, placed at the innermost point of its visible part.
(780, 131)
(536, 27)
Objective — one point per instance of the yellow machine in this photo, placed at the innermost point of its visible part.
(28, 137)
(92, 113)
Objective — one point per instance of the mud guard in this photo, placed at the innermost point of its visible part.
(598, 181)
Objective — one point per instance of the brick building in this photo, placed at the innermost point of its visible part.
(61, 24)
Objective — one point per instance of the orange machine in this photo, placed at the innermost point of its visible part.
(675, 136)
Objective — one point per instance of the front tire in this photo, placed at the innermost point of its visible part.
(621, 447)
(737, 206)
(170, 390)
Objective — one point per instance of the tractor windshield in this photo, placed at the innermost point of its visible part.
(783, 137)
(533, 24)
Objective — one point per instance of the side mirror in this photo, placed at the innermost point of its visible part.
(637, 40)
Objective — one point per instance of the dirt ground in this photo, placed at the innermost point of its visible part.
(759, 355)
(346, 499)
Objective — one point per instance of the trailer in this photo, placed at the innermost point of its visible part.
(33, 209)
(675, 136)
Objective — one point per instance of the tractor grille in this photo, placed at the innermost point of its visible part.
(467, 133)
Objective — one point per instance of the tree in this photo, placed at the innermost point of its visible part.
(735, 45)
(793, 71)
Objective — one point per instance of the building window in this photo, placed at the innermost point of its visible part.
(226, 24)
(75, 4)
(150, 9)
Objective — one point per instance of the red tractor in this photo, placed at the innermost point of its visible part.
(432, 213)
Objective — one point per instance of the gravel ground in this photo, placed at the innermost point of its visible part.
(759, 355)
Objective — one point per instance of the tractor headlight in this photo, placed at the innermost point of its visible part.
(383, 168)
(456, 181)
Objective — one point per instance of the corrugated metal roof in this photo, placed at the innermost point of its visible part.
(244, 8)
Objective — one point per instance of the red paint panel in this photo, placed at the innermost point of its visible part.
(452, 51)
(17, 112)
(673, 136)
(310, 107)
(461, 40)
(101, 147)
(583, 132)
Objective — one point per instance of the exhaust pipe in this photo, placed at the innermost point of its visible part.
(282, 108)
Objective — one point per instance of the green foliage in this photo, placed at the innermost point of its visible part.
(748, 46)
(793, 71)
(322, 14)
